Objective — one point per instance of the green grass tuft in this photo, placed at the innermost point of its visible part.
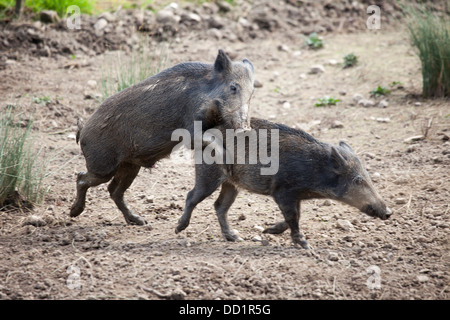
(22, 172)
(430, 35)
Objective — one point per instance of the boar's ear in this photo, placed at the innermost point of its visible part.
(337, 159)
(249, 64)
(223, 64)
(346, 146)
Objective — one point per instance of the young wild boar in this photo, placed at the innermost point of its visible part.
(307, 169)
(132, 129)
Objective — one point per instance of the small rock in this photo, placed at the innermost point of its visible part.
(258, 228)
(167, 17)
(283, 47)
(71, 136)
(337, 124)
(224, 6)
(383, 120)
(92, 84)
(242, 217)
(357, 97)
(215, 33)
(265, 242)
(366, 103)
(400, 201)
(48, 16)
(411, 148)
(108, 16)
(257, 84)
(297, 53)
(333, 256)
(417, 104)
(34, 220)
(383, 104)
(333, 62)
(327, 203)
(191, 17)
(100, 25)
(317, 69)
(286, 105)
(344, 225)
(376, 176)
(422, 278)
(414, 138)
(257, 238)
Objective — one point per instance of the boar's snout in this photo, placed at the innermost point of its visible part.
(380, 211)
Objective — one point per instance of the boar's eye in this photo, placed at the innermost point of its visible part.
(233, 88)
(358, 180)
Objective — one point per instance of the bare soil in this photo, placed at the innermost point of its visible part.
(44, 254)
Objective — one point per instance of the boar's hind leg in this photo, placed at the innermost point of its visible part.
(291, 212)
(84, 182)
(123, 178)
(226, 198)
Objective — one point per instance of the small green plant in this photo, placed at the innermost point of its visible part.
(430, 35)
(45, 100)
(326, 101)
(22, 170)
(314, 41)
(350, 60)
(131, 70)
(380, 91)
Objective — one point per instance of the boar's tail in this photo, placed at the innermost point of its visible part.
(80, 125)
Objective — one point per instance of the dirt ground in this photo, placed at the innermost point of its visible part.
(98, 256)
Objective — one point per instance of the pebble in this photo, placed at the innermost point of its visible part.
(257, 238)
(48, 16)
(286, 105)
(257, 84)
(366, 103)
(422, 278)
(92, 84)
(337, 124)
(357, 97)
(376, 176)
(258, 228)
(414, 138)
(383, 104)
(400, 201)
(333, 256)
(100, 24)
(317, 69)
(283, 47)
(344, 225)
(34, 220)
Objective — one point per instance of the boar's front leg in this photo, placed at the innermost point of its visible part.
(290, 207)
(228, 194)
(123, 178)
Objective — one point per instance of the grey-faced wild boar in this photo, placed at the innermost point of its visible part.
(307, 169)
(132, 129)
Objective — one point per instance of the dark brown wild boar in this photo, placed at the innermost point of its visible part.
(132, 129)
(307, 169)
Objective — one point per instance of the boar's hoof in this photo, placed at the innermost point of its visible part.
(277, 229)
(231, 236)
(135, 220)
(299, 240)
(75, 211)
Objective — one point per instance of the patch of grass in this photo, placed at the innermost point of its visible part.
(380, 91)
(314, 41)
(123, 72)
(22, 172)
(60, 6)
(42, 100)
(350, 60)
(430, 35)
(326, 101)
